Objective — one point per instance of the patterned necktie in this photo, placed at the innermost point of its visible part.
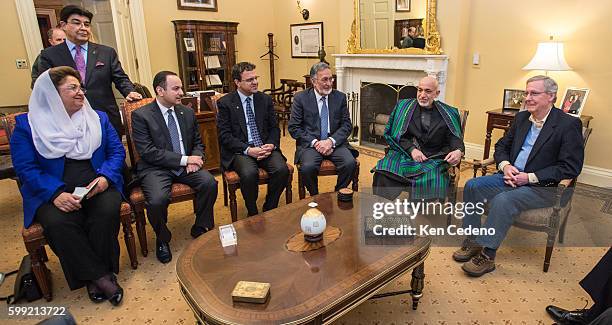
(252, 125)
(174, 137)
(324, 119)
(79, 60)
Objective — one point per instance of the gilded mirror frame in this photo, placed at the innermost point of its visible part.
(432, 36)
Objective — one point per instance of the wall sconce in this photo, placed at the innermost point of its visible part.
(305, 13)
(548, 57)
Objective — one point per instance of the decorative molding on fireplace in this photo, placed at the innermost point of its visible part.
(352, 70)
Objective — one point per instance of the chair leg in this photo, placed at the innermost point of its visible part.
(40, 271)
(43, 253)
(224, 191)
(130, 242)
(563, 224)
(301, 188)
(356, 179)
(233, 204)
(550, 243)
(288, 190)
(141, 230)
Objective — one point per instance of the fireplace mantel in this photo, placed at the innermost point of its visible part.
(352, 69)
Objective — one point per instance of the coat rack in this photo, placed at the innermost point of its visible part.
(272, 57)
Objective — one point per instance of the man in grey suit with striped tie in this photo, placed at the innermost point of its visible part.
(320, 123)
(167, 138)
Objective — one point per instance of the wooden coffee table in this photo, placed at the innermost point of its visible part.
(311, 287)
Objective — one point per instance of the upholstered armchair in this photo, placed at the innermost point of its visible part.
(551, 220)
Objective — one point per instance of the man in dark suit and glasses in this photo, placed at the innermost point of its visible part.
(250, 138)
(320, 124)
(167, 138)
(98, 64)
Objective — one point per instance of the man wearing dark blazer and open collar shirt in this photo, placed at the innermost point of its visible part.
(543, 147)
(98, 64)
(250, 138)
(320, 124)
(167, 138)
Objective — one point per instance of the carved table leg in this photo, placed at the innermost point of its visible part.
(417, 284)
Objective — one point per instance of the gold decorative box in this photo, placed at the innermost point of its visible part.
(253, 292)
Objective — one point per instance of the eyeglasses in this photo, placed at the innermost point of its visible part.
(326, 80)
(250, 80)
(75, 89)
(78, 23)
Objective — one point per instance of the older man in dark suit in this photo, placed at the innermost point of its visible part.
(167, 138)
(98, 64)
(543, 147)
(424, 137)
(250, 138)
(320, 124)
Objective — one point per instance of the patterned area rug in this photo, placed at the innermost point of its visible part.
(516, 293)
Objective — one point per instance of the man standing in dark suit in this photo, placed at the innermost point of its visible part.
(543, 147)
(167, 138)
(320, 124)
(250, 138)
(97, 64)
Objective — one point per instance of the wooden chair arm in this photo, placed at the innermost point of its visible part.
(483, 163)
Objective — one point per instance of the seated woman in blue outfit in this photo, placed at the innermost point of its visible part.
(62, 143)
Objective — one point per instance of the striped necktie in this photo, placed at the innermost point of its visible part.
(324, 119)
(174, 138)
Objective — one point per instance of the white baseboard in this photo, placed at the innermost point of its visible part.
(591, 175)
(596, 176)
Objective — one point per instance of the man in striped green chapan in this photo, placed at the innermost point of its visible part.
(424, 138)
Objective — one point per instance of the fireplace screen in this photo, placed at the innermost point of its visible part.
(377, 101)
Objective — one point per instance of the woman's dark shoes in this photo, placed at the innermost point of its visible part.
(94, 293)
(117, 297)
(111, 290)
(567, 317)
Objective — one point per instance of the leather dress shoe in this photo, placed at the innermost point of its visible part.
(96, 297)
(197, 231)
(163, 252)
(569, 317)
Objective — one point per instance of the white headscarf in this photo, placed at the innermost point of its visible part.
(55, 133)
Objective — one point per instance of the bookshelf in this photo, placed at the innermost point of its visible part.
(206, 52)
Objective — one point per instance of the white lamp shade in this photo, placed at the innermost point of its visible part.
(548, 57)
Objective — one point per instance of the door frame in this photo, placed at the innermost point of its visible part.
(33, 42)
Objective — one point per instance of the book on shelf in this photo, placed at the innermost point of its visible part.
(213, 80)
(212, 62)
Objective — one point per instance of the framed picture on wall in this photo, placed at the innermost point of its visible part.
(514, 99)
(306, 39)
(206, 5)
(402, 5)
(574, 99)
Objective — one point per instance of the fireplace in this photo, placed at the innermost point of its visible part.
(376, 102)
(378, 81)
